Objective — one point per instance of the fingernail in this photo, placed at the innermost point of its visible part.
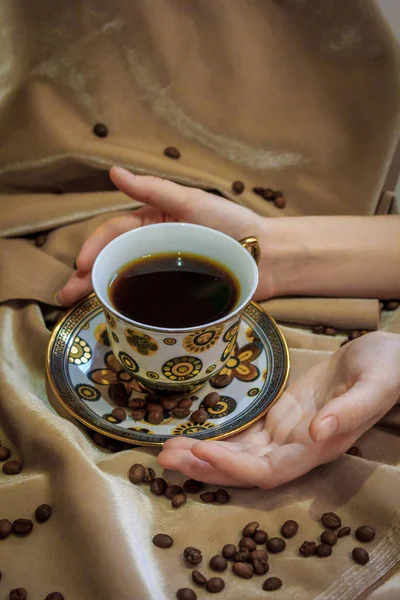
(327, 428)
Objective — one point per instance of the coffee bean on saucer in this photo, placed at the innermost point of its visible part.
(192, 555)
(198, 578)
(169, 403)
(136, 473)
(276, 544)
(215, 585)
(172, 152)
(208, 497)
(22, 526)
(136, 403)
(330, 331)
(365, 533)
(199, 416)
(238, 187)
(242, 555)
(331, 520)
(180, 413)
(186, 594)
(138, 414)
(307, 548)
(192, 486)
(18, 594)
(270, 195)
(280, 202)
(218, 563)
(54, 596)
(220, 381)
(229, 551)
(260, 566)
(271, 584)
(101, 130)
(289, 529)
(328, 537)
(118, 394)
(99, 439)
(318, 329)
(248, 543)
(158, 486)
(173, 490)
(149, 474)
(242, 569)
(153, 406)
(360, 556)
(354, 451)
(344, 531)
(211, 399)
(353, 335)
(4, 453)
(222, 496)
(323, 550)
(43, 513)
(119, 414)
(260, 536)
(5, 528)
(257, 189)
(194, 398)
(258, 554)
(392, 305)
(162, 540)
(155, 417)
(178, 500)
(185, 403)
(250, 529)
(12, 467)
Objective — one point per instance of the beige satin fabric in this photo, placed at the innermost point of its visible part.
(296, 95)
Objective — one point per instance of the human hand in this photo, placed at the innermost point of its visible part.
(316, 420)
(166, 201)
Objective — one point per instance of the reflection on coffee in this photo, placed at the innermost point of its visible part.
(174, 290)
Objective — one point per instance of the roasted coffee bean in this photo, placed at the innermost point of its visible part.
(307, 548)
(198, 578)
(162, 540)
(238, 187)
(248, 543)
(250, 529)
(211, 399)
(360, 556)
(149, 474)
(330, 331)
(258, 554)
(100, 440)
(118, 394)
(323, 550)
(260, 566)
(18, 594)
(186, 594)
(180, 413)
(172, 152)
(4, 453)
(178, 500)
(192, 555)
(258, 190)
(173, 490)
(242, 555)
(331, 520)
(138, 414)
(199, 416)
(392, 305)
(271, 584)
(185, 403)
(158, 486)
(260, 536)
(289, 529)
(153, 398)
(136, 473)
(43, 513)
(5, 528)
(242, 569)
(328, 537)
(208, 497)
(218, 563)
(344, 531)
(318, 329)
(101, 130)
(155, 417)
(22, 526)
(222, 496)
(353, 335)
(229, 551)
(280, 202)
(54, 596)
(365, 533)
(12, 467)
(119, 414)
(136, 403)
(220, 381)
(192, 486)
(354, 451)
(194, 398)
(270, 195)
(276, 544)
(169, 403)
(153, 406)
(215, 585)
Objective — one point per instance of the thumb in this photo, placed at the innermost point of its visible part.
(360, 404)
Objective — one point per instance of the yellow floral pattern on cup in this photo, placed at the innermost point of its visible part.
(202, 339)
(182, 368)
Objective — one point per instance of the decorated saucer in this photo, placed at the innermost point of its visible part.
(84, 375)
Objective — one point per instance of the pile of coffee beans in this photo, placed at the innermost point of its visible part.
(275, 196)
(324, 329)
(177, 494)
(10, 467)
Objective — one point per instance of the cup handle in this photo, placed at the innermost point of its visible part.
(252, 245)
